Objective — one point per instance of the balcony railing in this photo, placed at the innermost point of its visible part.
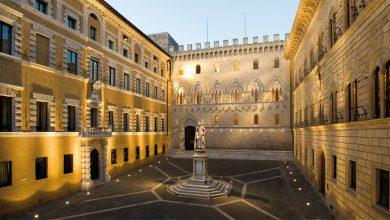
(96, 132)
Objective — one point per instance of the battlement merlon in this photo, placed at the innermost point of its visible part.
(245, 42)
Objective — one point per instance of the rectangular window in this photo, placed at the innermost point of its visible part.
(40, 168)
(92, 33)
(126, 154)
(137, 125)
(126, 82)
(155, 150)
(163, 149)
(147, 151)
(42, 117)
(94, 117)
(111, 44)
(136, 57)
(111, 119)
(5, 114)
(306, 151)
(113, 156)
(155, 124)
(147, 124)
(146, 64)
(162, 95)
(147, 90)
(72, 62)
(355, 101)
(162, 125)
(111, 77)
(352, 174)
(42, 50)
(41, 6)
(334, 166)
(277, 119)
(126, 122)
(155, 69)
(138, 86)
(137, 156)
(68, 163)
(383, 188)
(94, 70)
(72, 23)
(125, 53)
(155, 92)
(6, 38)
(5, 174)
(71, 118)
(312, 158)
(349, 107)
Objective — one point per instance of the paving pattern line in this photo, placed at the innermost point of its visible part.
(232, 178)
(259, 171)
(164, 173)
(179, 168)
(157, 195)
(223, 213)
(115, 196)
(244, 191)
(261, 210)
(266, 179)
(186, 203)
(160, 184)
(107, 210)
(227, 203)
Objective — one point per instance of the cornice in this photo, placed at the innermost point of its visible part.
(305, 14)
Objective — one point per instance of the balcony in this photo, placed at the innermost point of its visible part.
(95, 133)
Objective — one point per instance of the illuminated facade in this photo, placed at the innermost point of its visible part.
(83, 96)
(340, 60)
(240, 92)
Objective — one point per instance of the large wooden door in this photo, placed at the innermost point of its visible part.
(189, 137)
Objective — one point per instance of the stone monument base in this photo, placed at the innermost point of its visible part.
(200, 185)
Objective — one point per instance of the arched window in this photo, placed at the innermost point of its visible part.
(377, 93)
(276, 62)
(236, 66)
(332, 30)
(217, 67)
(348, 104)
(277, 92)
(137, 53)
(255, 64)
(235, 96)
(181, 96)
(347, 13)
(94, 27)
(235, 119)
(256, 119)
(387, 89)
(198, 69)
(162, 67)
(216, 120)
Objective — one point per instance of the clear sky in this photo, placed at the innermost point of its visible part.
(186, 20)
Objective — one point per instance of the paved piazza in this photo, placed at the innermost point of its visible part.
(262, 190)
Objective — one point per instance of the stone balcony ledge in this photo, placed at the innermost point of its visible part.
(95, 132)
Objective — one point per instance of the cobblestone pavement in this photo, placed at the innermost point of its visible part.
(261, 190)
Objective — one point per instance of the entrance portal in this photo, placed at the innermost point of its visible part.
(322, 172)
(189, 137)
(94, 165)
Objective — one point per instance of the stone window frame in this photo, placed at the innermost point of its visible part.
(14, 92)
(147, 128)
(13, 18)
(129, 120)
(97, 56)
(375, 167)
(140, 113)
(99, 107)
(110, 37)
(116, 65)
(78, 106)
(50, 100)
(162, 128)
(153, 124)
(128, 71)
(77, 48)
(348, 188)
(68, 12)
(114, 109)
(45, 32)
(50, 8)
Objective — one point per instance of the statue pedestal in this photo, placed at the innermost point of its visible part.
(200, 185)
(200, 174)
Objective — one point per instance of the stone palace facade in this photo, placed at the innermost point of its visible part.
(240, 92)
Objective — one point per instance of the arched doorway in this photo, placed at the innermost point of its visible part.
(322, 174)
(94, 165)
(189, 137)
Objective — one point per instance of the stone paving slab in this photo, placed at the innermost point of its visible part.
(261, 190)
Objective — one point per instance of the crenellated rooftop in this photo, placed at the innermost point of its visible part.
(226, 44)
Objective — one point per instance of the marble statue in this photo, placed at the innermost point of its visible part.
(200, 137)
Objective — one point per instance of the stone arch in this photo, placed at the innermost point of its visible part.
(216, 91)
(189, 120)
(198, 92)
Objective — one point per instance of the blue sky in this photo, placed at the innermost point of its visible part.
(185, 20)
